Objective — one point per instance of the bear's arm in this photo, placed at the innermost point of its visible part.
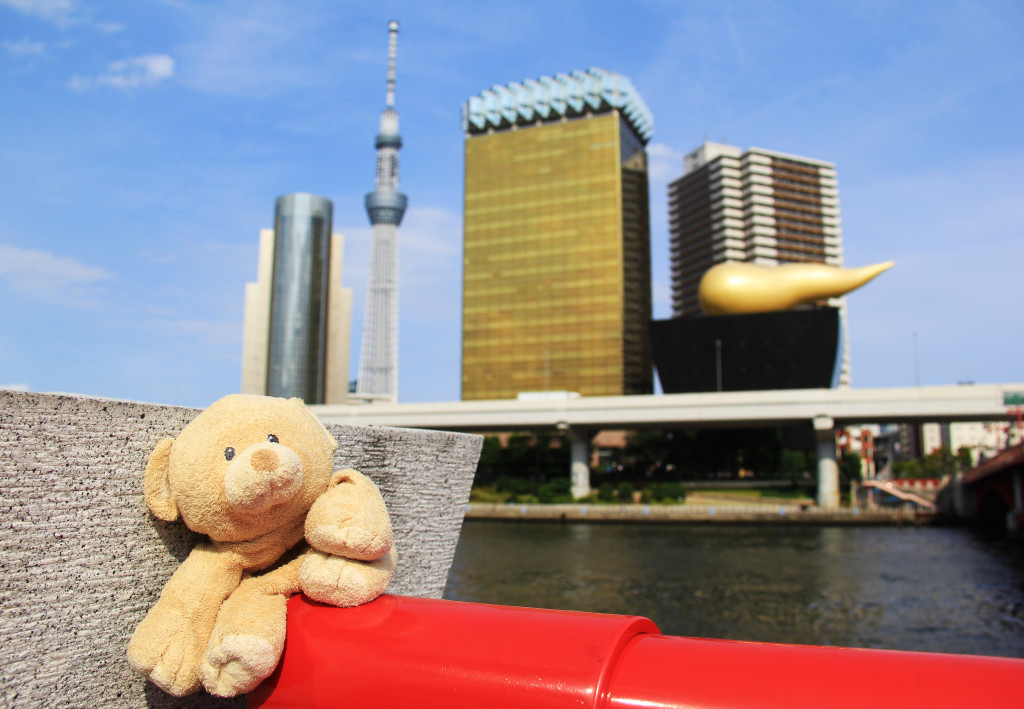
(353, 556)
(350, 519)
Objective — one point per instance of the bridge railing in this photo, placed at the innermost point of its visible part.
(405, 652)
(898, 491)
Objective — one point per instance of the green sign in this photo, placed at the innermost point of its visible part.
(1013, 398)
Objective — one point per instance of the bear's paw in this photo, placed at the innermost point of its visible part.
(352, 541)
(238, 664)
(345, 582)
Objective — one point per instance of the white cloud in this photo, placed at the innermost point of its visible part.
(429, 244)
(43, 276)
(224, 335)
(56, 11)
(430, 299)
(24, 48)
(108, 27)
(664, 163)
(253, 49)
(141, 72)
(432, 230)
(15, 387)
(63, 13)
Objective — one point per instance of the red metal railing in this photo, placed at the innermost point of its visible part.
(412, 652)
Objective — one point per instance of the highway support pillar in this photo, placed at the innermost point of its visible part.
(579, 467)
(828, 468)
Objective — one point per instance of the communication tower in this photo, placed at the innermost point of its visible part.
(378, 359)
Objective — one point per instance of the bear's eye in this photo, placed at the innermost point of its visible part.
(272, 438)
(229, 453)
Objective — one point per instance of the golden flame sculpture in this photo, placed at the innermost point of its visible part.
(735, 287)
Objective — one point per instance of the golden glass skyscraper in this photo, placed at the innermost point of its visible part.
(556, 270)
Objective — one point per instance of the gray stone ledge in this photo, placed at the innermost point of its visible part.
(82, 560)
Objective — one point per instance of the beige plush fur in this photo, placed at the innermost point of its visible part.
(255, 474)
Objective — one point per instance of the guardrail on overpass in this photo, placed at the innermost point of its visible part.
(977, 402)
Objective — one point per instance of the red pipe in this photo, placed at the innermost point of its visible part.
(412, 652)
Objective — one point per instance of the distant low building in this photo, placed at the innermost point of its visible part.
(982, 438)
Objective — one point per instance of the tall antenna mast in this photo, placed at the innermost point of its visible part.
(389, 98)
(378, 360)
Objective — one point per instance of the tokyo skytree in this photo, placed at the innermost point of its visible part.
(378, 359)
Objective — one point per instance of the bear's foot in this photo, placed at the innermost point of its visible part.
(238, 664)
(164, 651)
(248, 637)
(345, 582)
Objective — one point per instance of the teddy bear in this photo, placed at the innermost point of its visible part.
(255, 474)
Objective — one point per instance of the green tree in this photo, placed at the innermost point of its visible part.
(908, 469)
(663, 492)
(701, 453)
(558, 490)
(938, 463)
(849, 466)
(964, 460)
(491, 461)
(526, 457)
(624, 492)
(792, 464)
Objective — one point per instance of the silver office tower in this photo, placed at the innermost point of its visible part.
(297, 314)
(378, 358)
(298, 301)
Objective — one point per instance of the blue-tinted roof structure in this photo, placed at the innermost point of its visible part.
(552, 98)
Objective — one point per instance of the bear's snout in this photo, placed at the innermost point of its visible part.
(265, 460)
(264, 475)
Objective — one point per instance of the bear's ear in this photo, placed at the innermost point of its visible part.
(156, 487)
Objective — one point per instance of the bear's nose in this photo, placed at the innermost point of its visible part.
(265, 460)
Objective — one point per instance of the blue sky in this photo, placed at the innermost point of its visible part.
(143, 142)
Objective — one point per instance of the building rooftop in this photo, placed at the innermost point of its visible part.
(708, 151)
(551, 98)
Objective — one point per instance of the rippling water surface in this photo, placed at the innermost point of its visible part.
(905, 588)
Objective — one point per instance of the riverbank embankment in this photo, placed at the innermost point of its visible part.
(694, 514)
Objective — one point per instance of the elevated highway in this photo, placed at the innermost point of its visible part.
(976, 402)
(581, 417)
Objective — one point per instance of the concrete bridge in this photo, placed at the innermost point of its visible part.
(581, 417)
(993, 492)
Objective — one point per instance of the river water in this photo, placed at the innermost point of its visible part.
(933, 589)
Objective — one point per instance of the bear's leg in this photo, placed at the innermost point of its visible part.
(248, 638)
(345, 582)
(168, 645)
(350, 519)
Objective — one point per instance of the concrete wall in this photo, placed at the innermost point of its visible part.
(82, 560)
